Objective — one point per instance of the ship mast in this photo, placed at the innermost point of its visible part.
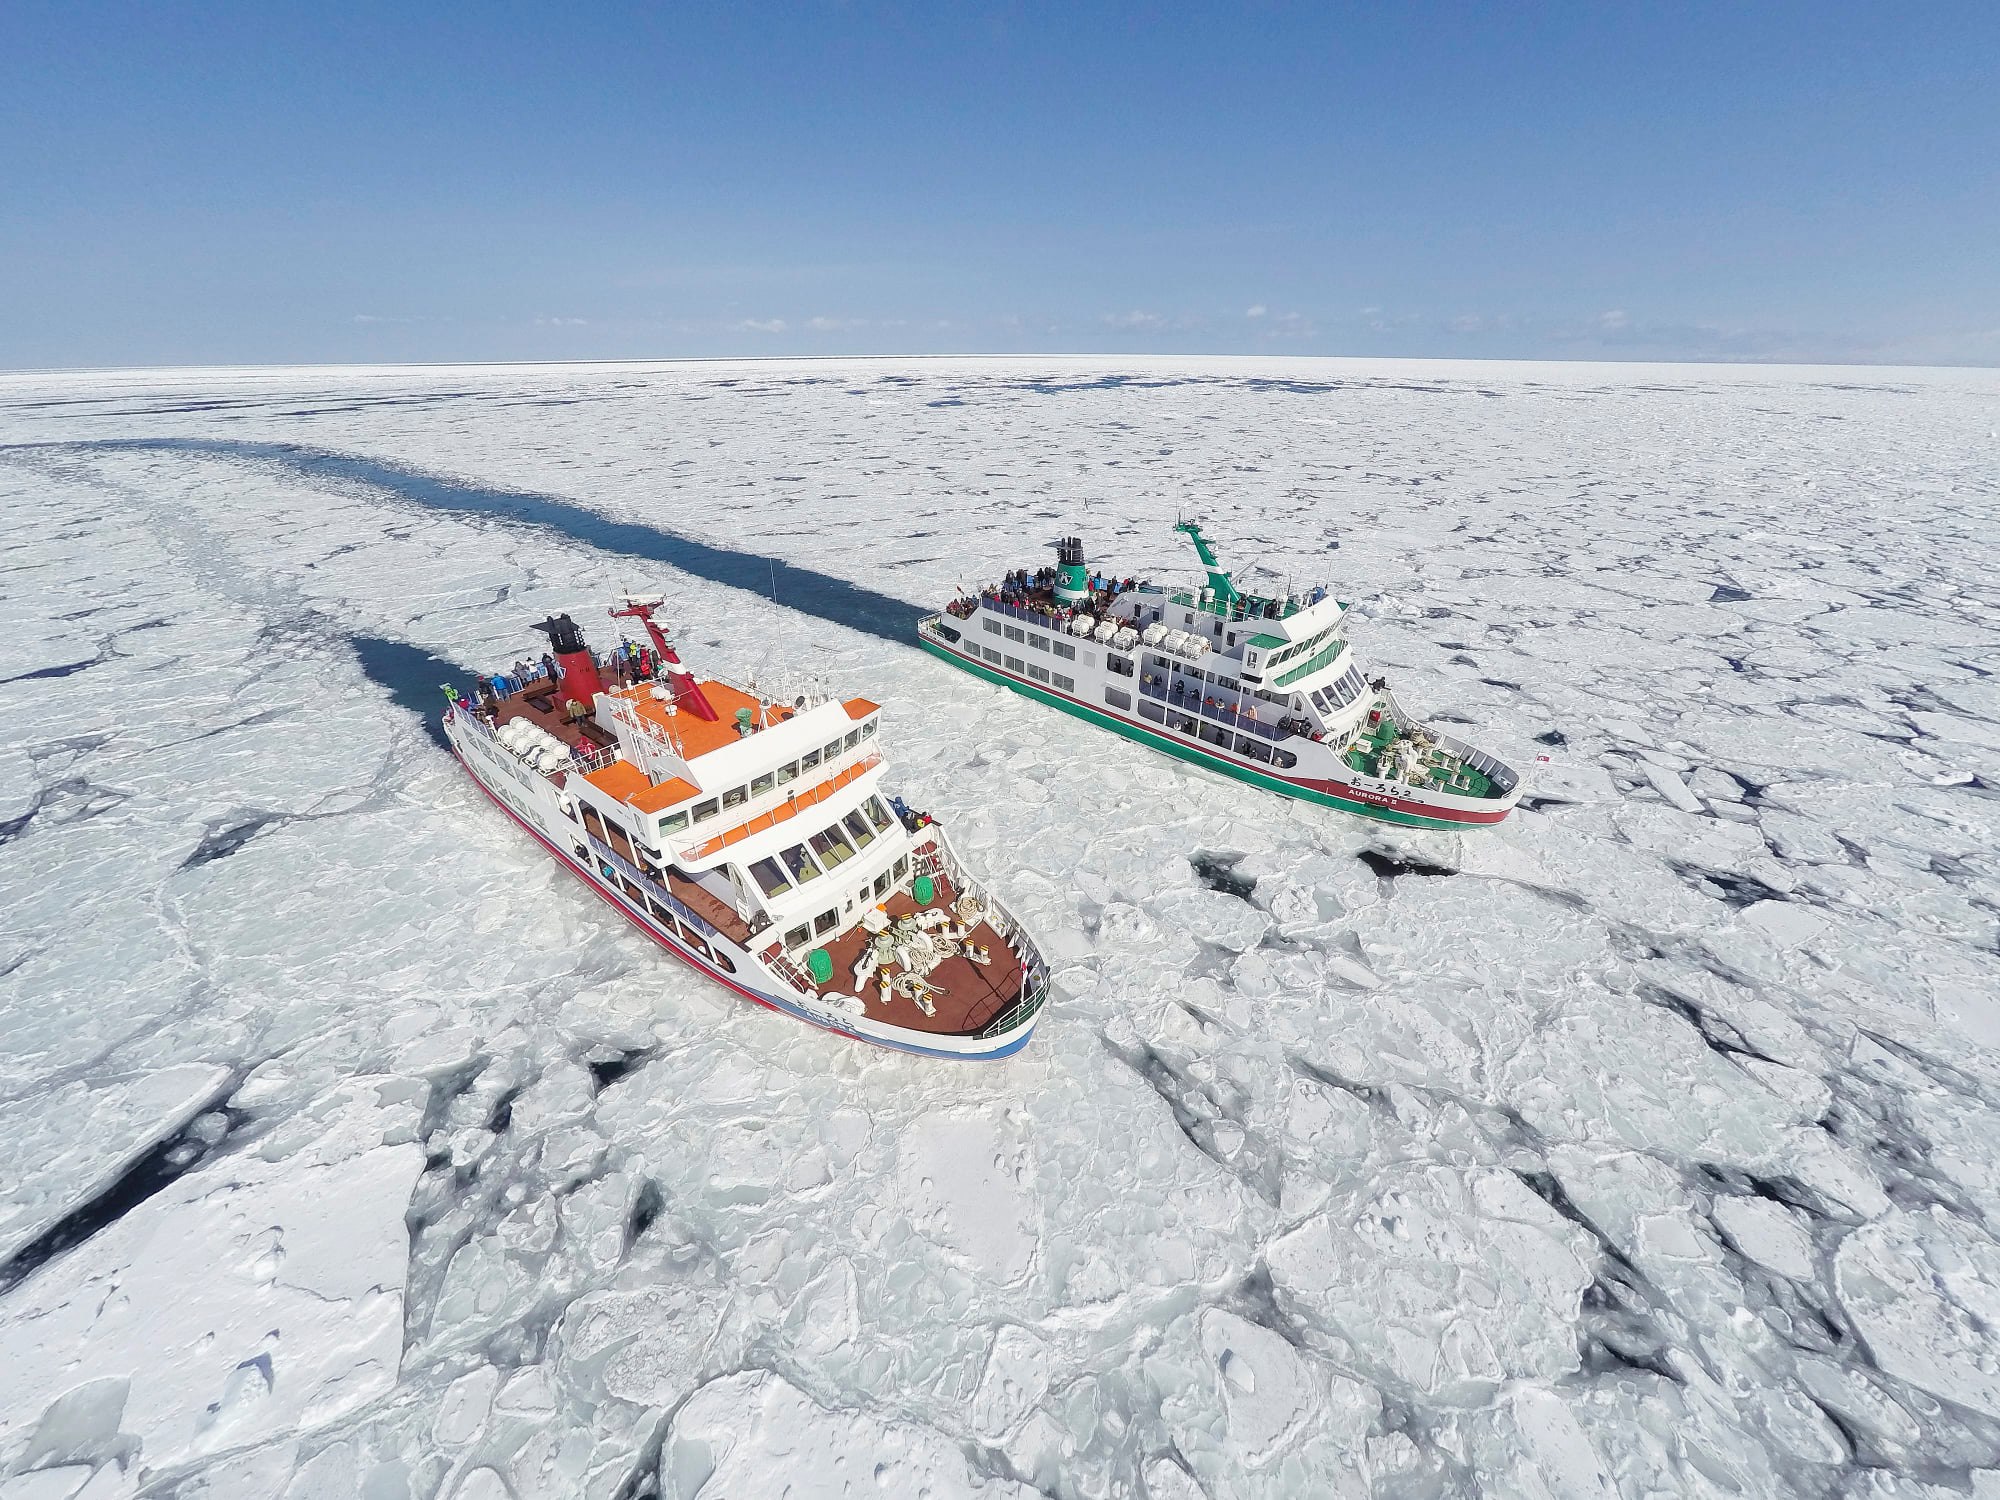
(1218, 580)
(687, 692)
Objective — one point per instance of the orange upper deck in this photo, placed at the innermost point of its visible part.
(698, 736)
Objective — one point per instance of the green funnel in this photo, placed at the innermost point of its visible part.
(1072, 577)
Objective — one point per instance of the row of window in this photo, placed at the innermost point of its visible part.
(680, 929)
(825, 850)
(1301, 648)
(1164, 664)
(1216, 734)
(757, 786)
(826, 921)
(1030, 669)
(1342, 691)
(1038, 639)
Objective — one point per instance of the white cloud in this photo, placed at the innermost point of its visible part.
(1135, 321)
(1256, 312)
(835, 325)
(1614, 320)
(1466, 323)
(761, 325)
(561, 322)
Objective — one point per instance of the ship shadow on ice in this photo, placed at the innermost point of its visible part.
(413, 678)
(812, 593)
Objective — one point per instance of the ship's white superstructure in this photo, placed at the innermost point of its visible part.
(754, 840)
(1266, 689)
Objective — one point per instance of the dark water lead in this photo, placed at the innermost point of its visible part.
(816, 594)
(203, 1134)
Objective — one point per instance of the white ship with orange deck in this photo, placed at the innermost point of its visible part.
(752, 840)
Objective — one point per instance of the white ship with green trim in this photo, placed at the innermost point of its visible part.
(1264, 688)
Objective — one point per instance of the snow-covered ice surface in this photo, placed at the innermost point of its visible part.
(1649, 1144)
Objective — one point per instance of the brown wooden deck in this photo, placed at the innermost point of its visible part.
(972, 996)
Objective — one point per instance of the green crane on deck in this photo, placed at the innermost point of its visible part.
(1218, 580)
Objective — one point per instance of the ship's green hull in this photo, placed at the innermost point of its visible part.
(1187, 752)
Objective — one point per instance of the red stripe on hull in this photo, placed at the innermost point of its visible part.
(618, 906)
(1339, 789)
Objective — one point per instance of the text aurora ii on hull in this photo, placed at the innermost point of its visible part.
(1262, 688)
(752, 840)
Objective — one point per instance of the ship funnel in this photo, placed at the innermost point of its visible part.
(1072, 577)
(579, 680)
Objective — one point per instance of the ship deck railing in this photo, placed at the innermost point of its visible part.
(934, 858)
(1245, 607)
(1220, 713)
(1044, 618)
(1466, 772)
(578, 758)
(780, 809)
(657, 889)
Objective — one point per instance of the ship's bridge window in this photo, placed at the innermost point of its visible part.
(762, 784)
(674, 822)
(809, 760)
(881, 885)
(868, 729)
(703, 811)
(831, 845)
(788, 773)
(798, 937)
(858, 827)
(877, 813)
(827, 755)
(736, 796)
(853, 738)
(902, 868)
(825, 922)
(771, 877)
(800, 864)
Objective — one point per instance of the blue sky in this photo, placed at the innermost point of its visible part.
(190, 183)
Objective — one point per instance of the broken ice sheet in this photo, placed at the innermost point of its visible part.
(1650, 1148)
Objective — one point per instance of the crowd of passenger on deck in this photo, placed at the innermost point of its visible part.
(626, 665)
(1034, 590)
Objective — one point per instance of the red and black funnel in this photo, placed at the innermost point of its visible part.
(579, 680)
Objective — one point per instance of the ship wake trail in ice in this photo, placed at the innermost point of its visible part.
(1643, 1144)
(812, 593)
